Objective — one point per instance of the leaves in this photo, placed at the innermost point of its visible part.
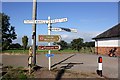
(77, 44)
(62, 44)
(25, 41)
(8, 31)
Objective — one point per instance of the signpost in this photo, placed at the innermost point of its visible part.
(58, 20)
(49, 55)
(49, 38)
(45, 21)
(64, 29)
(56, 29)
(45, 38)
(49, 32)
(49, 47)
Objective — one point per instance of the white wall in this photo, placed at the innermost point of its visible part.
(108, 42)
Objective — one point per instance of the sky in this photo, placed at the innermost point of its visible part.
(61, 0)
(89, 18)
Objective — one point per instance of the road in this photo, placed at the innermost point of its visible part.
(86, 63)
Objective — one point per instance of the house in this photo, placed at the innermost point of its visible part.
(108, 40)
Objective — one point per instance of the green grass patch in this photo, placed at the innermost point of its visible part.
(83, 50)
(18, 73)
(15, 51)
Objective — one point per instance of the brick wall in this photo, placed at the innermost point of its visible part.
(105, 50)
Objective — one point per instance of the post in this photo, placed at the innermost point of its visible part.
(34, 30)
(99, 71)
(30, 59)
(49, 42)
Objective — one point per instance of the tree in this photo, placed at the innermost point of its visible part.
(62, 44)
(15, 46)
(76, 44)
(25, 41)
(90, 44)
(8, 31)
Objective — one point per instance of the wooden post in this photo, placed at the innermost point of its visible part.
(30, 59)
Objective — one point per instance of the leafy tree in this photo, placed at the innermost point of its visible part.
(8, 31)
(25, 42)
(15, 46)
(62, 44)
(76, 44)
(90, 44)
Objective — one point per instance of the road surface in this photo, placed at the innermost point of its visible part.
(86, 63)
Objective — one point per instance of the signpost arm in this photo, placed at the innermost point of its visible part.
(34, 31)
(49, 42)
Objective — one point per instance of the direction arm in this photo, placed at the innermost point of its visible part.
(69, 29)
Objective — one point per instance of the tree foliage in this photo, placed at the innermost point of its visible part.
(62, 44)
(90, 44)
(77, 44)
(15, 46)
(8, 31)
(25, 42)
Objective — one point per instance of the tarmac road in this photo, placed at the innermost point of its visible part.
(86, 63)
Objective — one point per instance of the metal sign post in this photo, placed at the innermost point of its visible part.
(48, 38)
(48, 22)
(49, 42)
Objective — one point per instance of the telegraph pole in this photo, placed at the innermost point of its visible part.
(34, 14)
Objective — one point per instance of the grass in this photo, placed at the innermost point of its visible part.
(15, 51)
(18, 73)
(83, 50)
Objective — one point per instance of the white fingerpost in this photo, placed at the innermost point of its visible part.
(49, 27)
(100, 66)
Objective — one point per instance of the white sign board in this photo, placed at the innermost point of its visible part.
(64, 29)
(45, 21)
(58, 20)
(56, 29)
(36, 21)
(73, 30)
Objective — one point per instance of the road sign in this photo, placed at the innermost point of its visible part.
(45, 21)
(49, 38)
(56, 29)
(49, 47)
(69, 29)
(36, 21)
(73, 30)
(64, 29)
(58, 20)
(49, 55)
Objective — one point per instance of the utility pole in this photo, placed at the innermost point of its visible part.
(34, 30)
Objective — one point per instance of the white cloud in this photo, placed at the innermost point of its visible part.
(87, 36)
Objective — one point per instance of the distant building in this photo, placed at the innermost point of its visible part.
(108, 40)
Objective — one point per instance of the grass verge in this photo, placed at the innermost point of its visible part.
(83, 50)
(18, 73)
